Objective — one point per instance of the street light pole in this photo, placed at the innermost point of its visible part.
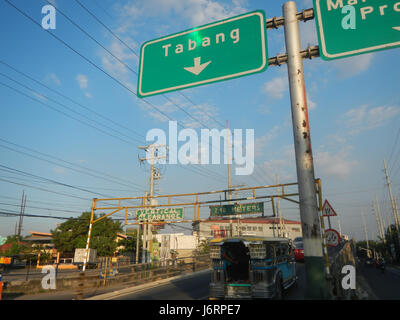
(312, 239)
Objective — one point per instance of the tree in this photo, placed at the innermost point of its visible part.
(129, 244)
(18, 247)
(73, 234)
(204, 247)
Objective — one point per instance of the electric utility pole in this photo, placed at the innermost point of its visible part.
(366, 233)
(316, 282)
(22, 212)
(375, 213)
(153, 156)
(381, 222)
(392, 199)
(282, 228)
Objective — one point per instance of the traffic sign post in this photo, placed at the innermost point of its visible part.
(218, 51)
(332, 237)
(312, 237)
(347, 28)
(327, 211)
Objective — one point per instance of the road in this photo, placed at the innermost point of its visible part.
(385, 286)
(196, 288)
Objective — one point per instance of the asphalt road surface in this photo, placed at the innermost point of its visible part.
(385, 286)
(196, 288)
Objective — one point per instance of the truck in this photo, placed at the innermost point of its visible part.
(79, 258)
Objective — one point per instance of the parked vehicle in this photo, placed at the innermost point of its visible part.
(380, 264)
(299, 251)
(369, 261)
(12, 262)
(79, 258)
(251, 268)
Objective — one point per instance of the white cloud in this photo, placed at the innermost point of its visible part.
(196, 12)
(204, 113)
(310, 103)
(59, 170)
(334, 165)
(276, 88)
(262, 142)
(365, 118)
(353, 66)
(52, 77)
(39, 96)
(82, 81)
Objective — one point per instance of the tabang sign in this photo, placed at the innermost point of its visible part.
(218, 51)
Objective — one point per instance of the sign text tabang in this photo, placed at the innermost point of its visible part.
(217, 51)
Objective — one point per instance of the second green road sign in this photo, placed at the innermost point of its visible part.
(217, 51)
(351, 27)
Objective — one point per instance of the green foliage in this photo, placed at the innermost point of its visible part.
(130, 243)
(13, 239)
(73, 234)
(383, 248)
(204, 247)
(17, 247)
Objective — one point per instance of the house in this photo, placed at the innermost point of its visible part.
(42, 241)
(180, 244)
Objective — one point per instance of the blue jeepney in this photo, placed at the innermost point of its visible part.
(251, 267)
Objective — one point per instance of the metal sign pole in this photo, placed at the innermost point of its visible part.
(312, 239)
(89, 235)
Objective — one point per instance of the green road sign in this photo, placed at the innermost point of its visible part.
(350, 27)
(234, 209)
(159, 214)
(214, 52)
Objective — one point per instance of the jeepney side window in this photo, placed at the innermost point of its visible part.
(269, 252)
(278, 251)
(285, 251)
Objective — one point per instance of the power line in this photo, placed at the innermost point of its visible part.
(70, 99)
(93, 64)
(42, 189)
(52, 181)
(97, 42)
(393, 148)
(127, 46)
(103, 176)
(42, 208)
(66, 107)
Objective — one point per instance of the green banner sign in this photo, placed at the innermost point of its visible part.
(234, 209)
(350, 27)
(160, 214)
(217, 51)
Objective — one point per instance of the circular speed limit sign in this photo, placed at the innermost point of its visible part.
(332, 237)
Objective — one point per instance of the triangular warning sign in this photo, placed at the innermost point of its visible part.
(327, 210)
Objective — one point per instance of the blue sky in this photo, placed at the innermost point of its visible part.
(354, 112)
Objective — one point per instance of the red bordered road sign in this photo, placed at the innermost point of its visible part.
(332, 237)
(327, 210)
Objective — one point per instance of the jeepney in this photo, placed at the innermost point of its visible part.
(251, 267)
